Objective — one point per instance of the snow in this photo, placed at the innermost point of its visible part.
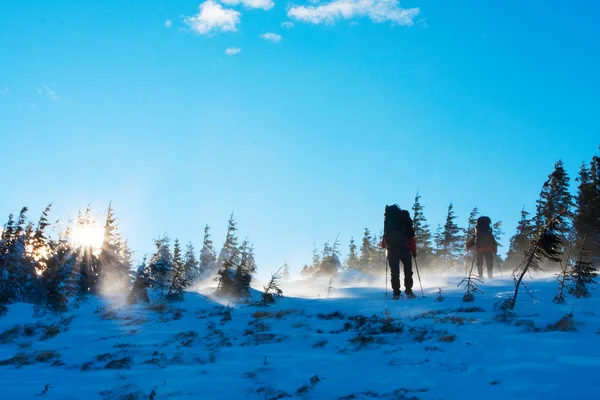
(190, 350)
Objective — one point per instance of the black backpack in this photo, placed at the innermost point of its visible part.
(395, 226)
(483, 231)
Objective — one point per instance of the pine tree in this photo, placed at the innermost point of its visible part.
(330, 263)
(190, 263)
(39, 245)
(519, 243)
(141, 283)
(161, 264)
(352, 262)
(230, 247)
(423, 235)
(583, 273)
(544, 246)
(177, 278)
(556, 201)
(366, 253)
(471, 224)
(245, 270)
(272, 291)
(586, 221)
(114, 260)
(379, 254)
(208, 257)
(286, 272)
(452, 240)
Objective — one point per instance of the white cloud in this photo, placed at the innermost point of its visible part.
(232, 51)
(262, 4)
(271, 37)
(287, 25)
(168, 23)
(378, 11)
(4, 91)
(45, 90)
(213, 18)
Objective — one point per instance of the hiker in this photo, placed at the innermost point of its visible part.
(399, 240)
(485, 246)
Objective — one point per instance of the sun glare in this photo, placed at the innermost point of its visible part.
(88, 236)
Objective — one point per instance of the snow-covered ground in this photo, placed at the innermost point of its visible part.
(356, 344)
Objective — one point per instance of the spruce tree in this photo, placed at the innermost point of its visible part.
(230, 247)
(586, 221)
(177, 278)
(244, 271)
(190, 263)
(352, 262)
(114, 260)
(556, 201)
(366, 253)
(160, 264)
(208, 257)
(471, 224)
(519, 243)
(452, 240)
(423, 235)
(583, 273)
(286, 272)
(39, 248)
(545, 245)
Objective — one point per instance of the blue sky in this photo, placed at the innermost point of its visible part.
(305, 131)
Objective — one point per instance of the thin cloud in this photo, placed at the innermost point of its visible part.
(271, 37)
(260, 4)
(47, 91)
(213, 18)
(232, 51)
(287, 25)
(4, 91)
(378, 11)
(168, 23)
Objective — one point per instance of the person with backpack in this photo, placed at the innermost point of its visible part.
(485, 246)
(399, 240)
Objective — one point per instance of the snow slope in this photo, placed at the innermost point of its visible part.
(356, 344)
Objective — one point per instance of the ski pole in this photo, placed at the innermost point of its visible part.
(419, 276)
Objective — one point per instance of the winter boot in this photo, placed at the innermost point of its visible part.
(410, 294)
(396, 296)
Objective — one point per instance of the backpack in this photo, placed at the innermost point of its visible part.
(483, 232)
(395, 224)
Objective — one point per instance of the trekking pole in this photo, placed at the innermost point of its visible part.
(386, 273)
(499, 267)
(419, 276)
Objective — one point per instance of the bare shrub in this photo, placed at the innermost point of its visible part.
(50, 332)
(447, 338)
(121, 363)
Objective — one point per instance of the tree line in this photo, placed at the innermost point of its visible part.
(49, 272)
(577, 220)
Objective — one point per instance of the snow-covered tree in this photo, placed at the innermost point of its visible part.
(114, 260)
(230, 247)
(190, 263)
(177, 278)
(208, 257)
(160, 264)
(352, 262)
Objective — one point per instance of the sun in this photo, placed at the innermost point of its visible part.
(88, 236)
